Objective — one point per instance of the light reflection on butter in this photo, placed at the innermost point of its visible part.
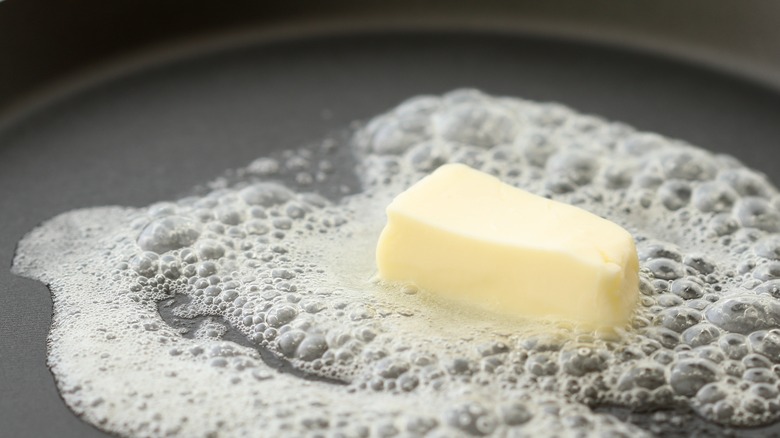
(464, 234)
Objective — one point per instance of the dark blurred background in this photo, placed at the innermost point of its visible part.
(43, 42)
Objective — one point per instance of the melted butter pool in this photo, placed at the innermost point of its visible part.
(265, 255)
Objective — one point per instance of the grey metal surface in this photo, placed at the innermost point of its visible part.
(143, 134)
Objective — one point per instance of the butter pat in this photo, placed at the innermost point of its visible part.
(465, 235)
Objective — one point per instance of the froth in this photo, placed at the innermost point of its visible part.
(251, 310)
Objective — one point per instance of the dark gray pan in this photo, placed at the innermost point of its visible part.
(130, 102)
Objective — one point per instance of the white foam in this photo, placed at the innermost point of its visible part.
(288, 275)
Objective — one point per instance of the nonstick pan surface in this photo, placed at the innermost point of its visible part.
(152, 125)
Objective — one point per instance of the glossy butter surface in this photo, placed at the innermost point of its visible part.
(465, 235)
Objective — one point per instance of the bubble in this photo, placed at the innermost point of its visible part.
(146, 264)
(767, 343)
(266, 194)
(768, 247)
(700, 334)
(421, 425)
(714, 196)
(392, 138)
(281, 315)
(665, 269)
(688, 165)
(678, 318)
(617, 176)
(746, 182)
(723, 410)
(288, 342)
(759, 375)
(711, 393)
(170, 267)
(674, 194)
(646, 375)
(688, 376)
(391, 368)
(641, 143)
(475, 125)
(701, 263)
(771, 288)
(168, 234)
(757, 213)
(312, 347)
(209, 249)
(650, 250)
(767, 271)
(734, 345)
(536, 149)
(745, 314)
(472, 418)
(575, 169)
(206, 269)
(515, 414)
(408, 382)
(723, 224)
(541, 364)
(426, 157)
(687, 289)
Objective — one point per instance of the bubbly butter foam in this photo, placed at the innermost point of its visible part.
(250, 310)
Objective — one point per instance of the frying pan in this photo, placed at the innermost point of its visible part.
(131, 102)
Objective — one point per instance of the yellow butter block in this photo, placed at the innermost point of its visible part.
(465, 235)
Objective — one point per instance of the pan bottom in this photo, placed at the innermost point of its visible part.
(150, 135)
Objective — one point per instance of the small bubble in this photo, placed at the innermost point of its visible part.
(168, 234)
(266, 194)
(689, 375)
(208, 249)
(146, 264)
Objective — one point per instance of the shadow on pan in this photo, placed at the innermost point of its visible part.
(152, 125)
